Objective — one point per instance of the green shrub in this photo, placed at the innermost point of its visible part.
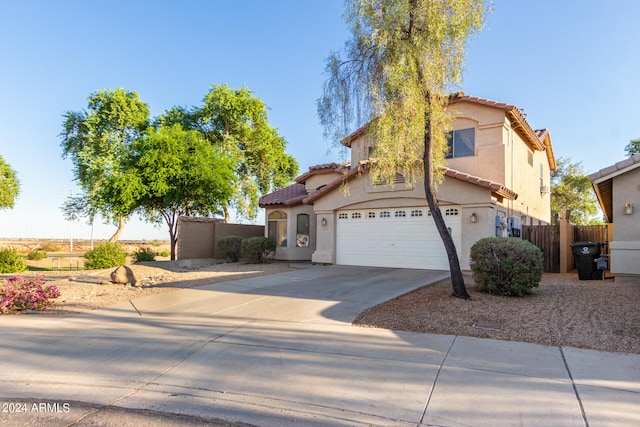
(231, 246)
(164, 253)
(105, 255)
(10, 261)
(33, 255)
(506, 266)
(257, 250)
(144, 254)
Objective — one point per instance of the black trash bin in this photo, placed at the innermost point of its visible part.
(585, 254)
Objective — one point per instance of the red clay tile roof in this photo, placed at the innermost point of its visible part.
(288, 196)
(319, 169)
(515, 115)
(345, 177)
(495, 187)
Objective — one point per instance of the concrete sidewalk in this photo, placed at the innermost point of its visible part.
(280, 350)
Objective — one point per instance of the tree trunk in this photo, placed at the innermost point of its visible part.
(172, 222)
(173, 241)
(457, 281)
(116, 235)
(227, 215)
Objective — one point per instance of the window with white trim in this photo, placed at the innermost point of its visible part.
(356, 215)
(385, 214)
(400, 214)
(343, 216)
(416, 212)
(371, 215)
(461, 143)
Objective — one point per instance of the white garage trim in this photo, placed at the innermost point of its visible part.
(394, 237)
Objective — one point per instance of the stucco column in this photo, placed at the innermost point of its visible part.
(325, 252)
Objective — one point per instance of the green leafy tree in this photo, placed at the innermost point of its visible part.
(175, 172)
(98, 141)
(633, 147)
(397, 71)
(572, 196)
(9, 185)
(237, 122)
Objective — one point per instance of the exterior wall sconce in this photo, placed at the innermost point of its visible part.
(324, 222)
(628, 208)
(474, 218)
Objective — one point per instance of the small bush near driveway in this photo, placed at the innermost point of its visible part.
(257, 250)
(506, 266)
(231, 246)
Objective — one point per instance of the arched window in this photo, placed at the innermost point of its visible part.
(277, 227)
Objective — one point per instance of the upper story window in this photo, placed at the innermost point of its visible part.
(462, 143)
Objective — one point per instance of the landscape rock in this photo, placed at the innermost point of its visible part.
(124, 275)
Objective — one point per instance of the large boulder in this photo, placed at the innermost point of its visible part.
(123, 274)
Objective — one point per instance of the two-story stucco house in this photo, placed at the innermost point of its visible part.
(497, 179)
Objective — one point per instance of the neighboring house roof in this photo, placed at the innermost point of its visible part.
(288, 196)
(602, 182)
(538, 139)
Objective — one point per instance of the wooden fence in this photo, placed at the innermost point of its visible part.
(590, 233)
(547, 238)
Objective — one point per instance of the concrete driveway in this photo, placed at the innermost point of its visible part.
(280, 350)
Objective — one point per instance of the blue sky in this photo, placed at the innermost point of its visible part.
(573, 67)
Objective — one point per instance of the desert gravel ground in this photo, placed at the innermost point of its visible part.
(85, 290)
(562, 311)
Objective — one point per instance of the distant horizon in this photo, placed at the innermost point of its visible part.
(55, 239)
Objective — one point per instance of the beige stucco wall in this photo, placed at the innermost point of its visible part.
(626, 188)
(360, 193)
(314, 182)
(198, 237)
(502, 156)
(291, 252)
(490, 126)
(625, 247)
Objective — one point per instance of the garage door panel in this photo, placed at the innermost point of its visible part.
(407, 242)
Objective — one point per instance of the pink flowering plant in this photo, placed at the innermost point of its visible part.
(24, 293)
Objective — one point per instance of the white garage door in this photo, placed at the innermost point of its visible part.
(397, 237)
